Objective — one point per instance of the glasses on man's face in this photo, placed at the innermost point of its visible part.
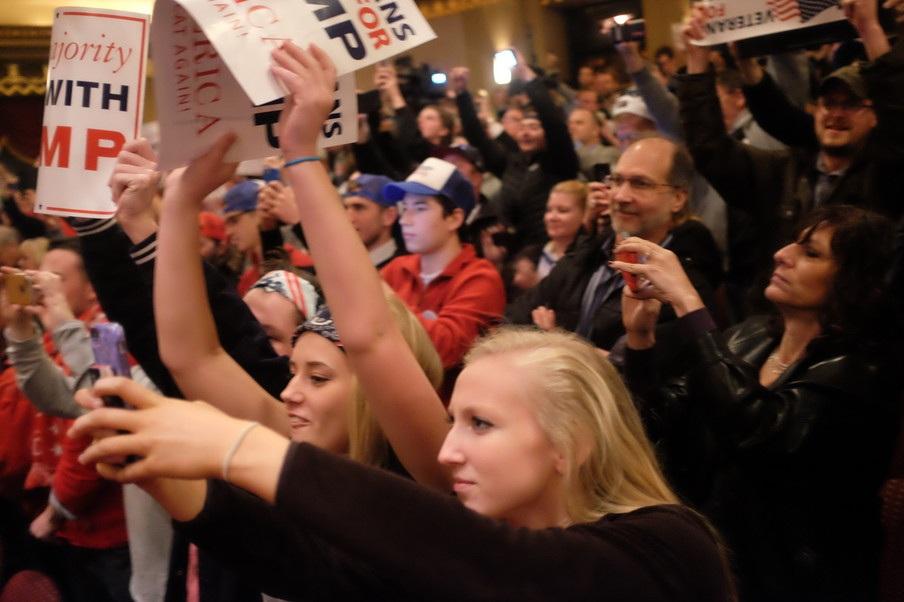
(637, 183)
(838, 104)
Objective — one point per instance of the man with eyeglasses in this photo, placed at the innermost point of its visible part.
(850, 151)
(649, 193)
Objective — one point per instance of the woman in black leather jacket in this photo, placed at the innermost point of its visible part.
(782, 430)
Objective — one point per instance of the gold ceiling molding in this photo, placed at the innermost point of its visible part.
(16, 84)
(24, 43)
(443, 8)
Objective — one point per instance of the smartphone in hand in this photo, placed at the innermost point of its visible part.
(19, 290)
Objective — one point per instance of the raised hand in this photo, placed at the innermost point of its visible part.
(522, 70)
(639, 315)
(544, 318)
(693, 30)
(172, 438)
(276, 200)
(458, 80)
(309, 78)
(662, 275)
(203, 175)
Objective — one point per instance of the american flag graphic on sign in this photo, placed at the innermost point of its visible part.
(804, 10)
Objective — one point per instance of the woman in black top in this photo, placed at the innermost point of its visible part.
(560, 496)
(783, 430)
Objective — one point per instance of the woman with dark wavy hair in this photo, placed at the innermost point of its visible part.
(782, 430)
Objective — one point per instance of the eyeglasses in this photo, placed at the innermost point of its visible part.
(637, 183)
(844, 105)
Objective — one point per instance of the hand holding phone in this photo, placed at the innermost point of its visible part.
(629, 278)
(19, 289)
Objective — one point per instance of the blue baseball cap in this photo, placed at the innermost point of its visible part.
(242, 197)
(369, 186)
(435, 177)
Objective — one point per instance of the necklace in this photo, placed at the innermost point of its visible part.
(780, 366)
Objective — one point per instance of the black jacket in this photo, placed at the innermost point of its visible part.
(563, 289)
(526, 178)
(789, 473)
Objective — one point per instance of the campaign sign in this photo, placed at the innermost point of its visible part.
(94, 103)
(354, 33)
(731, 20)
(199, 99)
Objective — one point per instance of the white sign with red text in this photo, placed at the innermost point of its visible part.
(731, 20)
(354, 33)
(199, 99)
(94, 103)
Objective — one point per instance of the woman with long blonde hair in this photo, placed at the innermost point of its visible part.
(559, 494)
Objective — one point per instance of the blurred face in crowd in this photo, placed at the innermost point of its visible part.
(372, 222)
(732, 103)
(468, 170)
(643, 203)
(585, 77)
(511, 121)
(563, 217)
(531, 137)
(588, 99)
(319, 396)
(604, 84)
(583, 127)
(9, 254)
(666, 64)
(804, 272)
(842, 121)
(277, 316)
(502, 462)
(525, 276)
(424, 227)
(629, 126)
(76, 287)
(430, 124)
(242, 230)
(209, 247)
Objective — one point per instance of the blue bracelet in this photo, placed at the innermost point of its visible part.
(298, 160)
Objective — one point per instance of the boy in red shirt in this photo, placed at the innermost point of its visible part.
(455, 294)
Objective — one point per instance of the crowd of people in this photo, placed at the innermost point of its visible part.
(634, 339)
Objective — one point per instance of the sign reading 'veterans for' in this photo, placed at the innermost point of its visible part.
(94, 103)
(731, 20)
(199, 99)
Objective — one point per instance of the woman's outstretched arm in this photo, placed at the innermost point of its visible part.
(399, 394)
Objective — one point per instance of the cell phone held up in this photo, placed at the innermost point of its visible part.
(629, 278)
(19, 290)
(600, 171)
(108, 342)
(634, 30)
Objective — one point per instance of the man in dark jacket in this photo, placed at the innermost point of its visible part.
(545, 154)
(857, 124)
(649, 199)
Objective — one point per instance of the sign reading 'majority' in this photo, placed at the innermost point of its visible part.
(94, 103)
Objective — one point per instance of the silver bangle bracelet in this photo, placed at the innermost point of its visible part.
(227, 459)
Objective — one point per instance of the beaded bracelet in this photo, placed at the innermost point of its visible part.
(227, 459)
(298, 160)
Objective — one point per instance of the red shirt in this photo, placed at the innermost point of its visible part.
(457, 306)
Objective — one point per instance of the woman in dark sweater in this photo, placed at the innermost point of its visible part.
(559, 494)
(783, 430)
